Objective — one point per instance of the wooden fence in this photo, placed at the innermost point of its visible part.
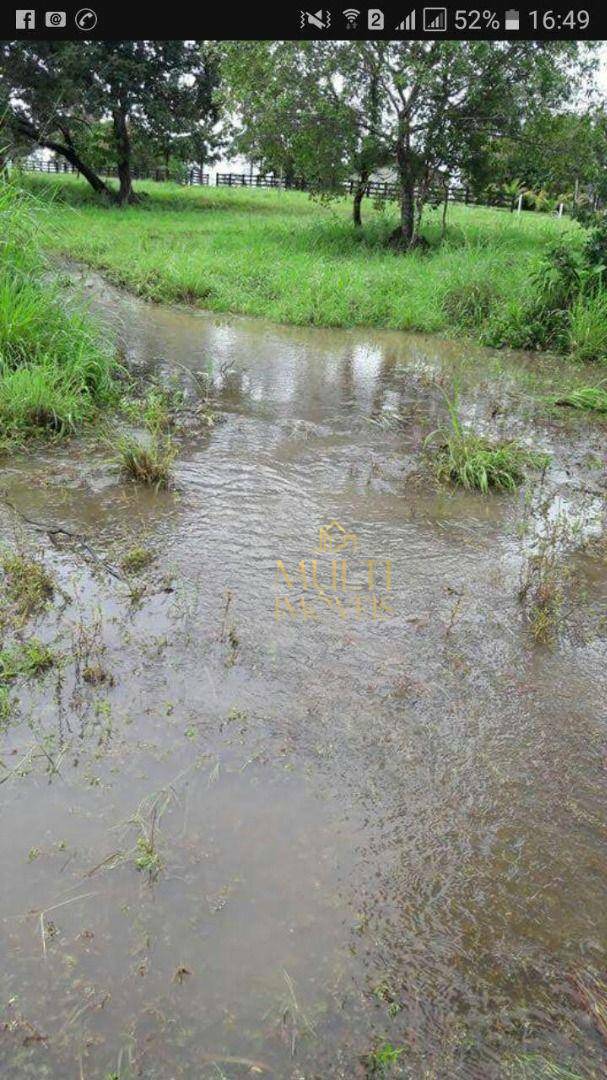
(197, 176)
(54, 165)
(375, 189)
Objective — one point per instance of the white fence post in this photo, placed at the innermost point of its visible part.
(520, 203)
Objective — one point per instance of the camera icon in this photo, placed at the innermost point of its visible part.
(55, 19)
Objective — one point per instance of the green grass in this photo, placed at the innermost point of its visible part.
(461, 457)
(383, 1060)
(146, 462)
(137, 559)
(54, 372)
(27, 585)
(6, 709)
(32, 658)
(293, 260)
(588, 328)
(589, 398)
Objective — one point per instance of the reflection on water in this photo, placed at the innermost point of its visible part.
(274, 837)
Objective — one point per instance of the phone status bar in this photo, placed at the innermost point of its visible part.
(295, 22)
(448, 21)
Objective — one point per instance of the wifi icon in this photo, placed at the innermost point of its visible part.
(351, 15)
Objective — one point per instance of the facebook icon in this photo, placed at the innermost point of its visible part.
(25, 20)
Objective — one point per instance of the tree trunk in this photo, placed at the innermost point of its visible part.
(443, 231)
(403, 236)
(123, 156)
(89, 175)
(24, 127)
(359, 192)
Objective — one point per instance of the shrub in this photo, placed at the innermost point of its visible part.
(543, 321)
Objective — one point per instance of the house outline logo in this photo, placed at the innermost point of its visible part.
(335, 537)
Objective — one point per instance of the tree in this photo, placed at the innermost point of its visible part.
(426, 107)
(294, 118)
(441, 101)
(41, 84)
(182, 125)
(555, 152)
(57, 90)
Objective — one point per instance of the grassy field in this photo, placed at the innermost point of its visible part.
(54, 371)
(281, 255)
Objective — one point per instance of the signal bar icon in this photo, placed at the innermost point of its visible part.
(435, 19)
(408, 23)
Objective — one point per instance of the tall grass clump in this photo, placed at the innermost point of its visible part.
(541, 317)
(148, 462)
(564, 307)
(588, 398)
(472, 461)
(468, 303)
(588, 327)
(53, 371)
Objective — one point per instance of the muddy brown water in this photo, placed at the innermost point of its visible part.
(322, 792)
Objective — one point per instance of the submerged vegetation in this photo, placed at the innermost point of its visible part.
(54, 373)
(146, 462)
(536, 1067)
(461, 457)
(27, 584)
(587, 398)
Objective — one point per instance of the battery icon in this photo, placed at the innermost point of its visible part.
(512, 20)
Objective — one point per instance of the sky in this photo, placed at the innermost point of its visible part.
(602, 74)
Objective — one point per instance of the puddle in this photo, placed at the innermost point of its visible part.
(323, 792)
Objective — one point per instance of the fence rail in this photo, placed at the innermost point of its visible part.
(192, 176)
(197, 176)
(376, 189)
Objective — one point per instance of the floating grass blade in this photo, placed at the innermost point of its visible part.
(589, 398)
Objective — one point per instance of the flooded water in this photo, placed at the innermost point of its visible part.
(305, 798)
